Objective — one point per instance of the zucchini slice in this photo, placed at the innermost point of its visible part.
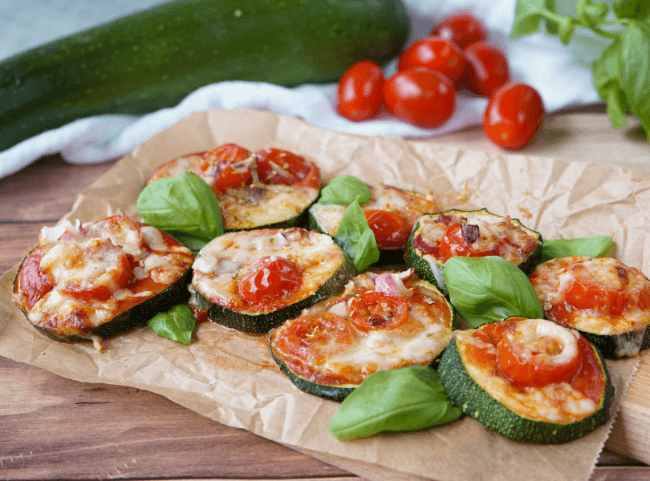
(100, 279)
(254, 280)
(530, 380)
(474, 233)
(391, 213)
(381, 321)
(607, 301)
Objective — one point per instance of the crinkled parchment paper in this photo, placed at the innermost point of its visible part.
(231, 378)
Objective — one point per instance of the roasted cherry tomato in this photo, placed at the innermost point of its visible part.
(534, 359)
(453, 244)
(487, 68)
(270, 279)
(360, 91)
(231, 166)
(437, 54)
(463, 29)
(513, 116)
(420, 96)
(390, 228)
(591, 295)
(276, 166)
(33, 282)
(377, 310)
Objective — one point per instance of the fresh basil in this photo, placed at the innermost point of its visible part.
(634, 70)
(596, 246)
(343, 190)
(177, 324)
(528, 15)
(488, 289)
(183, 206)
(356, 238)
(404, 399)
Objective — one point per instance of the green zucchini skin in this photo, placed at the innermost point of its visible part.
(154, 58)
(473, 400)
(617, 346)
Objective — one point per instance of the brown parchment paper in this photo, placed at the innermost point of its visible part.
(231, 378)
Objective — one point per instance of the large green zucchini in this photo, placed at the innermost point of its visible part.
(152, 59)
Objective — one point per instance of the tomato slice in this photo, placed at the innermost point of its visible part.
(270, 280)
(229, 161)
(33, 282)
(591, 295)
(276, 166)
(390, 228)
(453, 244)
(378, 310)
(537, 352)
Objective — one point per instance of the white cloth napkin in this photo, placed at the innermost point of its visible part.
(561, 75)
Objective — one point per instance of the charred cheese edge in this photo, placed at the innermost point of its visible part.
(420, 341)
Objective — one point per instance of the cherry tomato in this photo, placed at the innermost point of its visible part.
(270, 279)
(390, 228)
(586, 295)
(513, 116)
(232, 171)
(360, 91)
(34, 283)
(463, 29)
(487, 68)
(377, 310)
(420, 96)
(276, 166)
(437, 54)
(453, 244)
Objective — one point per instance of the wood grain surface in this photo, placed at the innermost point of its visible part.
(56, 428)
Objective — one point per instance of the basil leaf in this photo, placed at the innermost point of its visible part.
(177, 324)
(596, 246)
(528, 14)
(183, 206)
(631, 8)
(551, 27)
(617, 106)
(488, 289)
(634, 70)
(404, 399)
(343, 190)
(605, 70)
(356, 238)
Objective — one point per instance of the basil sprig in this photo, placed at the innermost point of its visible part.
(488, 289)
(622, 74)
(177, 324)
(183, 206)
(343, 190)
(596, 246)
(404, 399)
(356, 238)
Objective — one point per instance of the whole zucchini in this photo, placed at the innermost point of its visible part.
(154, 58)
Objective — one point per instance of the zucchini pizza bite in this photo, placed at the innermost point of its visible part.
(438, 237)
(390, 212)
(253, 281)
(531, 380)
(99, 279)
(380, 322)
(607, 301)
(265, 189)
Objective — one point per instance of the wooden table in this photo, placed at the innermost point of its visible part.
(54, 428)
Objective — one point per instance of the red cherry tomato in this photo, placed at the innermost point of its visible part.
(33, 282)
(276, 166)
(390, 228)
(360, 91)
(421, 97)
(463, 29)
(377, 310)
(233, 172)
(487, 68)
(453, 244)
(513, 116)
(585, 295)
(269, 280)
(437, 54)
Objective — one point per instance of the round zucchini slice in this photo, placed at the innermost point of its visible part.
(530, 380)
(607, 301)
(436, 237)
(391, 213)
(381, 321)
(254, 280)
(100, 279)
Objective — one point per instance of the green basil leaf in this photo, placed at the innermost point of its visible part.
(605, 70)
(488, 289)
(634, 70)
(528, 14)
(596, 246)
(343, 190)
(636, 9)
(565, 29)
(183, 206)
(177, 324)
(617, 106)
(551, 27)
(356, 238)
(404, 399)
